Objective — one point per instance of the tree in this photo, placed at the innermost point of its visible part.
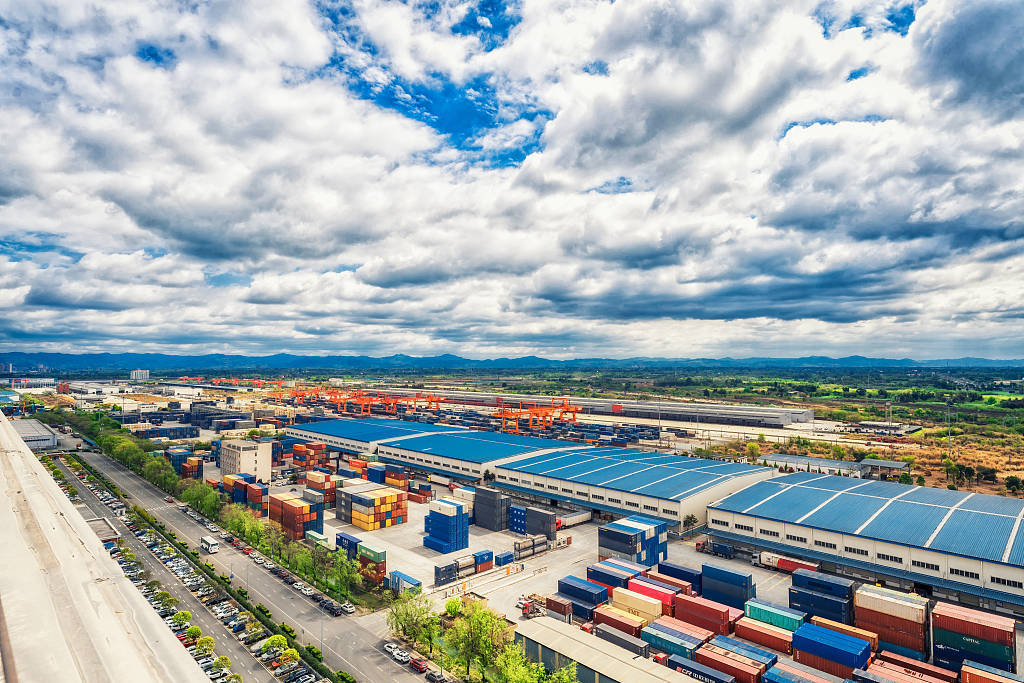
(512, 666)
(452, 607)
(275, 642)
(153, 584)
(429, 632)
(408, 612)
(289, 655)
(477, 637)
(222, 662)
(204, 645)
(181, 618)
(753, 451)
(234, 678)
(1013, 483)
(920, 480)
(567, 674)
(320, 562)
(275, 542)
(346, 574)
(194, 633)
(690, 521)
(905, 478)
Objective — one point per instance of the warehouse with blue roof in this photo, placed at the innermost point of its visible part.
(618, 480)
(959, 545)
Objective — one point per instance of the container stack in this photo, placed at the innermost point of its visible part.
(709, 615)
(609, 576)
(446, 573)
(681, 573)
(319, 539)
(491, 509)
(558, 608)
(257, 498)
(616, 636)
(396, 477)
(309, 455)
(483, 560)
(781, 617)
(861, 633)
(634, 539)
(899, 619)
(467, 496)
(666, 595)
(378, 508)
(727, 586)
(530, 546)
(834, 653)
(294, 515)
(794, 672)
(447, 526)
(517, 519)
(961, 634)
(178, 456)
(637, 604)
(348, 544)
(314, 520)
(325, 483)
(821, 595)
(215, 451)
(743, 668)
(890, 668)
(541, 522)
(675, 637)
(974, 672)
(698, 671)
(192, 468)
(372, 563)
(619, 619)
(358, 465)
(376, 472)
(583, 595)
(769, 659)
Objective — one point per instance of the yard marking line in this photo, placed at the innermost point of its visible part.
(879, 510)
(1013, 536)
(829, 500)
(942, 523)
(781, 491)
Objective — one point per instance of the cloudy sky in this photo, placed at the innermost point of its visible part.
(561, 177)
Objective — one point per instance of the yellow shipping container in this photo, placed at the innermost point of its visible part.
(624, 613)
(636, 604)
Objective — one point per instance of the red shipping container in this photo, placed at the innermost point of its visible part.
(622, 622)
(706, 610)
(484, 566)
(664, 595)
(788, 564)
(743, 673)
(913, 642)
(777, 639)
(968, 674)
(971, 622)
(887, 621)
(914, 665)
(604, 585)
(907, 675)
(782, 666)
(683, 586)
(822, 664)
(559, 605)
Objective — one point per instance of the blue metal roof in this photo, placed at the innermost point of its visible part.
(659, 475)
(474, 446)
(971, 525)
(370, 429)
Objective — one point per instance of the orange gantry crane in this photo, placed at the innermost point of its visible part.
(538, 417)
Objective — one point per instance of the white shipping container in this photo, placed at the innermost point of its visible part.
(630, 600)
(901, 609)
(574, 518)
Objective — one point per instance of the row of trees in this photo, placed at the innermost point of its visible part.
(468, 637)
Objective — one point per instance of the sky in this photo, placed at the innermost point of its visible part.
(566, 178)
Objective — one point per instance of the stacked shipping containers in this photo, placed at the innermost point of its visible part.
(483, 560)
(326, 484)
(765, 634)
(583, 595)
(834, 653)
(710, 615)
(634, 539)
(178, 456)
(396, 477)
(541, 522)
(372, 562)
(309, 455)
(517, 519)
(348, 544)
(821, 595)
(379, 508)
(727, 586)
(960, 634)
(446, 526)
(899, 619)
(675, 637)
(295, 515)
(192, 468)
(637, 604)
(681, 573)
(491, 509)
(781, 617)
(257, 499)
(975, 672)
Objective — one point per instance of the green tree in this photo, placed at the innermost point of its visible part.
(289, 655)
(181, 618)
(567, 674)
(153, 584)
(512, 666)
(452, 607)
(194, 633)
(408, 612)
(690, 520)
(905, 478)
(753, 451)
(275, 641)
(204, 645)
(1013, 483)
(346, 574)
(221, 663)
(477, 637)
(920, 480)
(234, 678)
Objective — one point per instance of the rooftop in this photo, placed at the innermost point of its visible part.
(369, 429)
(31, 429)
(659, 475)
(934, 519)
(476, 446)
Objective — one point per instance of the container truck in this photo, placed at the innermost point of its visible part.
(715, 548)
(781, 562)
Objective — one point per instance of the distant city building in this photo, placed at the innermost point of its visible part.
(139, 375)
(246, 456)
(33, 382)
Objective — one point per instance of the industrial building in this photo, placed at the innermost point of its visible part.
(251, 457)
(139, 375)
(616, 480)
(36, 435)
(957, 545)
(711, 413)
(555, 644)
(846, 468)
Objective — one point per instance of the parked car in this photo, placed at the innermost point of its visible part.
(347, 608)
(436, 677)
(391, 647)
(418, 664)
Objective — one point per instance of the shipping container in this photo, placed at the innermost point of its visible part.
(893, 603)
(972, 645)
(691, 576)
(670, 642)
(783, 617)
(683, 586)
(624, 640)
(861, 633)
(765, 657)
(850, 652)
(663, 595)
(619, 619)
(697, 671)
(761, 633)
(826, 665)
(821, 605)
(982, 625)
(704, 613)
(915, 665)
(640, 605)
(806, 673)
(744, 670)
(823, 583)
(975, 672)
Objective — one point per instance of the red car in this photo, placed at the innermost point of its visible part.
(418, 664)
(236, 543)
(247, 550)
(169, 499)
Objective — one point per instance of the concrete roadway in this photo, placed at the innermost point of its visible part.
(225, 643)
(354, 644)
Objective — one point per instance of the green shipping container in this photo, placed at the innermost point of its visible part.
(374, 554)
(984, 648)
(666, 643)
(766, 614)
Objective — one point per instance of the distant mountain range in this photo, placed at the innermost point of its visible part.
(159, 362)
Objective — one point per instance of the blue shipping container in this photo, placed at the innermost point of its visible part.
(823, 583)
(696, 670)
(767, 658)
(728, 576)
(677, 571)
(583, 590)
(833, 646)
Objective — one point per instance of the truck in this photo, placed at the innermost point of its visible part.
(715, 548)
(531, 605)
(781, 562)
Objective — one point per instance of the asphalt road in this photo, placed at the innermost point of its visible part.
(354, 644)
(225, 644)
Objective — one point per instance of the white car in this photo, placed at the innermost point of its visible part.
(298, 585)
(258, 560)
(400, 656)
(268, 565)
(391, 647)
(308, 591)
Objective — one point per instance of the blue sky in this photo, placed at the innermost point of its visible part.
(494, 178)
